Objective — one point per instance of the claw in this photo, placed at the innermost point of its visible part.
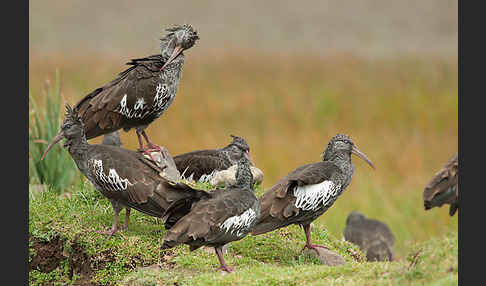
(109, 233)
(225, 268)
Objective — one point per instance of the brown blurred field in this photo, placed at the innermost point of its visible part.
(287, 78)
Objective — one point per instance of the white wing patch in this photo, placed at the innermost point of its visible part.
(239, 223)
(162, 100)
(311, 196)
(113, 181)
(139, 104)
(136, 112)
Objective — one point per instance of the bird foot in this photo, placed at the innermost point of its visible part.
(225, 268)
(156, 148)
(147, 152)
(314, 247)
(152, 148)
(109, 233)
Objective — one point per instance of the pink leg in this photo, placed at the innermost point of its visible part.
(127, 218)
(152, 146)
(223, 266)
(114, 227)
(141, 148)
(307, 239)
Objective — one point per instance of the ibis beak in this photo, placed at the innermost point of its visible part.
(56, 139)
(175, 53)
(247, 155)
(360, 154)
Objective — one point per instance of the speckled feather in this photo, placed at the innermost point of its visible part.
(279, 207)
(278, 204)
(100, 110)
(130, 100)
(204, 162)
(206, 222)
(144, 191)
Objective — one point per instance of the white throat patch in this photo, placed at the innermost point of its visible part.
(311, 196)
(239, 223)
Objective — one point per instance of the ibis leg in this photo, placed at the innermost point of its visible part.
(152, 146)
(114, 228)
(127, 218)
(223, 266)
(308, 244)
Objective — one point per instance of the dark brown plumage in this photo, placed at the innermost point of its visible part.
(123, 176)
(308, 191)
(112, 139)
(372, 236)
(140, 94)
(215, 218)
(204, 162)
(443, 188)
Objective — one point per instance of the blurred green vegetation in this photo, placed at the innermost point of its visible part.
(401, 112)
(57, 169)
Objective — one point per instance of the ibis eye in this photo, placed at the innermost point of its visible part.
(444, 179)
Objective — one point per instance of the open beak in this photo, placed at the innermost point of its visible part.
(175, 53)
(56, 139)
(360, 154)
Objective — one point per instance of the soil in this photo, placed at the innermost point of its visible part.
(49, 255)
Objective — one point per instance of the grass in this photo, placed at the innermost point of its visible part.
(134, 258)
(401, 112)
(56, 169)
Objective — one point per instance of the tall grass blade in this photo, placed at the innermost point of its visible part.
(57, 169)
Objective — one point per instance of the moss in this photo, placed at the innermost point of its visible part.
(134, 258)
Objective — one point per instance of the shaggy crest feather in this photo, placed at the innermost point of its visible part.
(72, 114)
(171, 30)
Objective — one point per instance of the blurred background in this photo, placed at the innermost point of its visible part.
(287, 76)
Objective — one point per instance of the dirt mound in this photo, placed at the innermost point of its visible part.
(49, 255)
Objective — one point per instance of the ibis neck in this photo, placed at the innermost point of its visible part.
(234, 153)
(244, 178)
(78, 148)
(343, 161)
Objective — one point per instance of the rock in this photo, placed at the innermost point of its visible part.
(326, 256)
(168, 165)
(227, 177)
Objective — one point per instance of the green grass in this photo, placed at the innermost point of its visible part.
(402, 112)
(271, 259)
(57, 169)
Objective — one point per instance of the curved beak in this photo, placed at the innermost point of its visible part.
(175, 53)
(247, 155)
(360, 154)
(56, 139)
